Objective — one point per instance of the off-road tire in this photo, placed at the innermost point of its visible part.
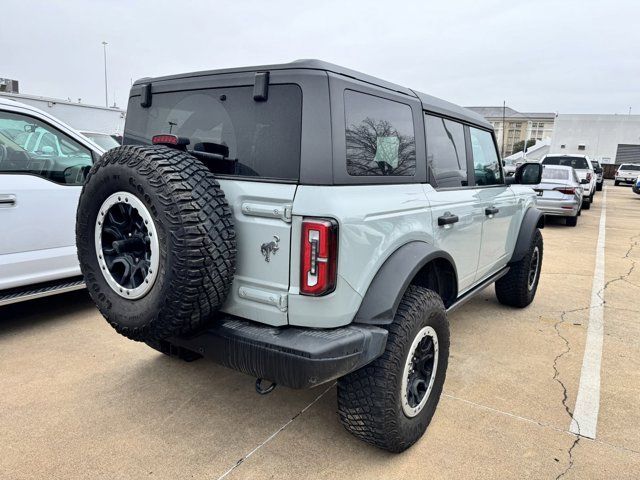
(572, 221)
(369, 399)
(197, 246)
(599, 187)
(513, 288)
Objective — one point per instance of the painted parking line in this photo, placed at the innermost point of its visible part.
(585, 414)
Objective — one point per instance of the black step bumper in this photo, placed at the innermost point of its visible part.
(290, 356)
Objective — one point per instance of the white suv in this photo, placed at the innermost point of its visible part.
(627, 173)
(585, 170)
(43, 163)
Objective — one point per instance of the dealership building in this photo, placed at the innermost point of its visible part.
(606, 138)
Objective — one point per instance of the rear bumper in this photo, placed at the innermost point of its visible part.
(290, 356)
(562, 208)
(625, 180)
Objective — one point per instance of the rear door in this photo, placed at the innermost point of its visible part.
(39, 190)
(497, 201)
(260, 142)
(455, 210)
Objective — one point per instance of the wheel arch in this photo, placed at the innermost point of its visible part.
(532, 220)
(415, 263)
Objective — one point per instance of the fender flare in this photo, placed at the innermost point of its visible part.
(380, 303)
(532, 220)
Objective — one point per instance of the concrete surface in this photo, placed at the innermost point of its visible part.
(77, 401)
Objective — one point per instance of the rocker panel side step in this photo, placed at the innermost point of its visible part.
(39, 290)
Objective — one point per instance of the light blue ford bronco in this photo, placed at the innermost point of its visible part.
(304, 223)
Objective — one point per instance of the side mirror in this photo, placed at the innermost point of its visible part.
(529, 174)
(584, 181)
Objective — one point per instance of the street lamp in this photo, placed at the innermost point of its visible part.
(106, 98)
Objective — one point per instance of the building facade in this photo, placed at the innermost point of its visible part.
(512, 126)
(606, 138)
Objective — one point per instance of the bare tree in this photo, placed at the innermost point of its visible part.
(362, 144)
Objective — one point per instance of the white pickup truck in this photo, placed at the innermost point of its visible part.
(43, 164)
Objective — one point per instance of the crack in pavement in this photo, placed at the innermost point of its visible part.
(556, 375)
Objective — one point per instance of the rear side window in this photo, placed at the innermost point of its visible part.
(550, 173)
(486, 164)
(575, 162)
(263, 138)
(446, 152)
(380, 137)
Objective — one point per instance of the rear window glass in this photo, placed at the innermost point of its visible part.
(263, 138)
(555, 173)
(630, 167)
(380, 137)
(575, 162)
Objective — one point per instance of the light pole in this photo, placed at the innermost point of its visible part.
(106, 98)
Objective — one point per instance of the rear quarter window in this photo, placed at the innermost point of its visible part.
(263, 138)
(380, 136)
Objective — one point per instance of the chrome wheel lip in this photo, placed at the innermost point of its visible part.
(534, 266)
(128, 198)
(408, 410)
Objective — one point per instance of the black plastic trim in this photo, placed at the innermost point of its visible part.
(387, 288)
(291, 356)
(533, 219)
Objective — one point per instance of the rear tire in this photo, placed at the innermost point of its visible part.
(381, 403)
(572, 221)
(616, 183)
(586, 204)
(518, 287)
(174, 198)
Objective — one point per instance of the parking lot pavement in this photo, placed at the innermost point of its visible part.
(78, 401)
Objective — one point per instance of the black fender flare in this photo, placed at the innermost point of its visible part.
(387, 288)
(532, 220)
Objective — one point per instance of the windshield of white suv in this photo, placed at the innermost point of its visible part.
(263, 138)
(102, 139)
(578, 163)
(633, 168)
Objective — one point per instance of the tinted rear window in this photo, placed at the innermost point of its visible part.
(575, 162)
(263, 137)
(630, 167)
(555, 173)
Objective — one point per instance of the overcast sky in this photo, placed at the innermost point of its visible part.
(556, 56)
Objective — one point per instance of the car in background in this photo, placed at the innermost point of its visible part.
(43, 165)
(599, 171)
(510, 166)
(627, 173)
(584, 169)
(106, 141)
(560, 193)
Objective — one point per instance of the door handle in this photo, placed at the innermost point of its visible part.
(447, 219)
(491, 211)
(7, 200)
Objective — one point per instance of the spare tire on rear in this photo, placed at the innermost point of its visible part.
(155, 241)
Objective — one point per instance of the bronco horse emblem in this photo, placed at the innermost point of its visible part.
(269, 248)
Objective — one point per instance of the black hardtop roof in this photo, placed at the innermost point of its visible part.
(429, 102)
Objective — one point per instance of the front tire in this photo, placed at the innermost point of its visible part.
(390, 402)
(599, 187)
(518, 287)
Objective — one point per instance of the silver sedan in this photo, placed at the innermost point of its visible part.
(560, 193)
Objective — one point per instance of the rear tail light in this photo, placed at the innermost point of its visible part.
(566, 190)
(319, 256)
(588, 176)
